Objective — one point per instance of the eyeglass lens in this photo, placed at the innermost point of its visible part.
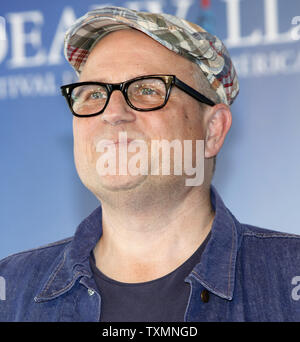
(142, 94)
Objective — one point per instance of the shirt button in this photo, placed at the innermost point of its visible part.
(91, 292)
(205, 296)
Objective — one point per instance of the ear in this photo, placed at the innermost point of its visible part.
(218, 126)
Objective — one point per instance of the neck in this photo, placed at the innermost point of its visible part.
(141, 245)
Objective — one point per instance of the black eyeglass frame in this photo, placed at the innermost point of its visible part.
(169, 81)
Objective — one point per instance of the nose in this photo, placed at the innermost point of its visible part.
(117, 110)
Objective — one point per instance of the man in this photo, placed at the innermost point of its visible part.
(156, 249)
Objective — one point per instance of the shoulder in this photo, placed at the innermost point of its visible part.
(253, 237)
(253, 234)
(33, 258)
(258, 232)
(270, 248)
(22, 275)
(268, 273)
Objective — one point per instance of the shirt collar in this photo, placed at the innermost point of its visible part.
(73, 262)
(215, 271)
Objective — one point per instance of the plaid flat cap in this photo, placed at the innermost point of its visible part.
(181, 36)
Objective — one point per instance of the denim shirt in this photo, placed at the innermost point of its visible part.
(246, 273)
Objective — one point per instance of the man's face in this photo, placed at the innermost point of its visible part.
(121, 56)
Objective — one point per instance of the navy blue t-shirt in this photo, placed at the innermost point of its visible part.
(161, 300)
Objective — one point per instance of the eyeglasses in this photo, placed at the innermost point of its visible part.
(144, 93)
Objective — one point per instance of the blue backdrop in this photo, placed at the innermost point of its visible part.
(42, 199)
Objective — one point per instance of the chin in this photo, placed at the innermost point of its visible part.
(115, 183)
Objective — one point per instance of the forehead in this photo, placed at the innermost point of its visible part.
(130, 53)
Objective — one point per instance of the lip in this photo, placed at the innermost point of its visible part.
(117, 142)
(121, 142)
